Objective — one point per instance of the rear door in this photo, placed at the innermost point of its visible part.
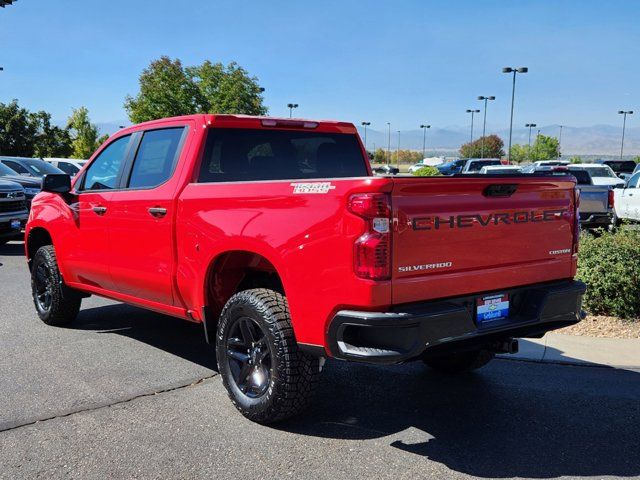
(455, 236)
(141, 221)
(631, 198)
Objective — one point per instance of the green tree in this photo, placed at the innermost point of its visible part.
(380, 156)
(165, 91)
(636, 159)
(427, 171)
(493, 148)
(544, 148)
(227, 89)
(18, 130)
(575, 159)
(169, 89)
(84, 134)
(50, 140)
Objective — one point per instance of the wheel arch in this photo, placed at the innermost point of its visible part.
(231, 272)
(36, 238)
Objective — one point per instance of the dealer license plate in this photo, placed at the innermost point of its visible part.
(492, 307)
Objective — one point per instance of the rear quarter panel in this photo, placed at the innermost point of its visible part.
(308, 238)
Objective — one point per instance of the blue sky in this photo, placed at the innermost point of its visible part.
(405, 62)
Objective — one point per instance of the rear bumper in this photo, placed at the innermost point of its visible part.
(596, 219)
(440, 327)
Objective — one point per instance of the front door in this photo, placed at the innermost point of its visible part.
(88, 255)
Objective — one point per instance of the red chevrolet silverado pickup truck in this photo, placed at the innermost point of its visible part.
(275, 235)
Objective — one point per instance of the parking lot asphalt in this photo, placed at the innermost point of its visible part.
(124, 393)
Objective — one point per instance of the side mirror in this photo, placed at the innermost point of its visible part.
(56, 183)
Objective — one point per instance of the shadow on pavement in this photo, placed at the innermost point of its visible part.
(12, 249)
(510, 419)
(173, 335)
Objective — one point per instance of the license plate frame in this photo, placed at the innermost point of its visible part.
(491, 308)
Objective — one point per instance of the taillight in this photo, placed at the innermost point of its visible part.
(576, 221)
(610, 198)
(372, 250)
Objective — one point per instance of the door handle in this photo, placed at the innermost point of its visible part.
(100, 210)
(157, 212)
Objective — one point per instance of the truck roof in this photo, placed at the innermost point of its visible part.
(250, 121)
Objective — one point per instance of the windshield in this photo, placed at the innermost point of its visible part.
(622, 167)
(476, 166)
(600, 172)
(4, 170)
(39, 168)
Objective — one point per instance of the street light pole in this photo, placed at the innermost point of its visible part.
(424, 139)
(472, 112)
(389, 144)
(291, 107)
(624, 125)
(560, 143)
(365, 125)
(513, 96)
(398, 154)
(484, 122)
(529, 126)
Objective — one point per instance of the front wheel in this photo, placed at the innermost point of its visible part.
(55, 303)
(460, 362)
(266, 376)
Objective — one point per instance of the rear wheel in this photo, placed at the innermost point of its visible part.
(55, 303)
(460, 362)
(267, 377)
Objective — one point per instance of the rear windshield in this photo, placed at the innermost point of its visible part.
(582, 176)
(622, 167)
(233, 155)
(477, 166)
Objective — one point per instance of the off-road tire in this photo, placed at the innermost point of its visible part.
(64, 302)
(460, 362)
(293, 374)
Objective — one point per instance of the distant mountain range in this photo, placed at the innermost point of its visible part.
(594, 140)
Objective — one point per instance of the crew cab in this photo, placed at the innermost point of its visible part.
(13, 211)
(275, 235)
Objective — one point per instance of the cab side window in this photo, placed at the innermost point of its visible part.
(156, 157)
(103, 172)
(634, 181)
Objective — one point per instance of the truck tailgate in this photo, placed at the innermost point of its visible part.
(594, 198)
(460, 235)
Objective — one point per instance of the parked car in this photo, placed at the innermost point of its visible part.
(622, 168)
(30, 185)
(414, 168)
(275, 235)
(596, 201)
(29, 167)
(542, 165)
(452, 168)
(67, 165)
(600, 174)
(13, 211)
(387, 170)
(500, 169)
(627, 199)
(474, 165)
